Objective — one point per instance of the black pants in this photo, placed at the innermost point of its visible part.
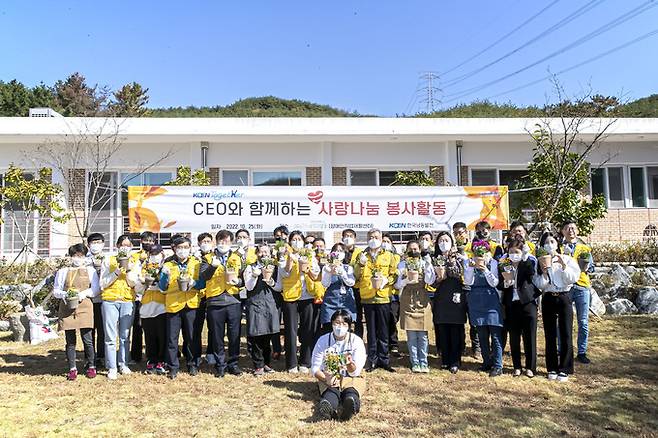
(452, 338)
(521, 323)
(225, 320)
(99, 332)
(87, 342)
(136, 341)
(557, 315)
(183, 320)
(261, 353)
(377, 323)
(336, 397)
(393, 344)
(317, 326)
(358, 324)
(198, 329)
(298, 319)
(155, 338)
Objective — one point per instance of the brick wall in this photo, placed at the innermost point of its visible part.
(76, 188)
(213, 173)
(437, 173)
(339, 176)
(313, 176)
(624, 224)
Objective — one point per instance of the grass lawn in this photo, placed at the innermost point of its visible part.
(617, 395)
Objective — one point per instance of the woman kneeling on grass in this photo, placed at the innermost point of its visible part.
(74, 287)
(338, 359)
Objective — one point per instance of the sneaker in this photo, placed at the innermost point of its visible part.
(150, 368)
(562, 377)
(454, 370)
(582, 358)
(173, 374)
(259, 372)
(72, 374)
(325, 409)
(516, 373)
(294, 371)
(112, 374)
(193, 370)
(529, 373)
(268, 370)
(415, 369)
(160, 369)
(424, 369)
(304, 370)
(495, 372)
(276, 356)
(91, 373)
(395, 352)
(388, 368)
(235, 370)
(125, 370)
(349, 408)
(552, 375)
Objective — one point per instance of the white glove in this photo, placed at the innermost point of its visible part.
(363, 259)
(427, 259)
(282, 264)
(295, 257)
(82, 295)
(327, 269)
(255, 272)
(214, 262)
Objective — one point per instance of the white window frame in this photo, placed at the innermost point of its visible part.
(5, 223)
(251, 170)
(626, 177)
(425, 169)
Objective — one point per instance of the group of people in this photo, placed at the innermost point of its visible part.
(326, 298)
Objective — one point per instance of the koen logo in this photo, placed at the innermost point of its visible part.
(315, 197)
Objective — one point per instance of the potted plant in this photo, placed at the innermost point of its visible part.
(583, 260)
(151, 271)
(460, 243)
(280, 249)
(231, 272)
(439, 264)
(334, 363)
(543, 257)
(72, 299)
(322, 257)
(305, 257)
(507, 269)
(480, 249)
(377, 279)
(414, 268)
(97, 261)
(335, 261)
(184, 281)
(268, 264)
(123, 258)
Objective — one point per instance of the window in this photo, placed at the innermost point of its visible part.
(615, 187)
(268, 178)
(483, 177)
(513, 179)
(652, 182)
(235, 177)
(637, 187)
(598, 182)
(363, 177)
(387, 177)
(19, 228)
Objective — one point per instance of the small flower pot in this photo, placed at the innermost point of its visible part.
(440, 272)
(72, 302)
(508, 275)
(412, 276)
(148, 281)
(97, 263)
(545, 261)
(480, 262)
(267, 273)
(304, 265)
(123, 262)
(183, 284)
(231, 276)
(583, 264)
(377, 282)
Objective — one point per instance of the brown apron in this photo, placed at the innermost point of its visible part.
(415, 308)
(358, 383)
(83, 315)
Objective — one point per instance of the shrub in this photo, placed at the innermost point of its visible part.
(637, 252)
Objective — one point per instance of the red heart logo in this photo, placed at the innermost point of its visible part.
(315, 197)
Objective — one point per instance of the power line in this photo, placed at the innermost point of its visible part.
(580, 64)
(563, 22)
(504, 37)
(599, 31)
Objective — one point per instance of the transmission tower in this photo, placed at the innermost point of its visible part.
(430, 91)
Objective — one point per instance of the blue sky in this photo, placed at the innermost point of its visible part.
(356, 55)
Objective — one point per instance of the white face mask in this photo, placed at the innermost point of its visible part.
(182, 253)
(96, 248)
(445, 246)
(243, 242)
(297, 244)
(78, 261)
(374, 243)
(341, 256)
(387, 246)
(515, 258)
(206, 247)
(348, 241)
(424, 245)
(340, 331)
(550, 247)
(223, 249)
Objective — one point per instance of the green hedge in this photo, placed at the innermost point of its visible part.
(639, 252)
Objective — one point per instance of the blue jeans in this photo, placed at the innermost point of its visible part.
(418, 345)
(490, 343)
(581, 298)
(117, 321)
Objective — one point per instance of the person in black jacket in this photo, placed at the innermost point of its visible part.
(520, 302)
(449, 306)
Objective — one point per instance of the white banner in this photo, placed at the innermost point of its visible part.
(326, 208)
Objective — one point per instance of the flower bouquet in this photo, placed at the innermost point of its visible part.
(322, 257)
(334, 363)
(583, 260)
(507, 269)
(184, 281)
(335, 261)
(72, 299)
(268, 264)
(480, 249)
(414, 268)
(97, 261)
(123, 258)
(378, 279)
(439, 264)
(543, 258)
(305, 257)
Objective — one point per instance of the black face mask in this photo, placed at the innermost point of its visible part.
(481, 236)
(147, 246)
(278, 239)
(413, 254)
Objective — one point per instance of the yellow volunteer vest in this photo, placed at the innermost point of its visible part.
(583, 280)
(468, 249)
(385, 263)
(153, 295)
(175, 299)
(119, 290)
(292, 285)
(217, 284)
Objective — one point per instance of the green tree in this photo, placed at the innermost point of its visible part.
(412, 178)
(15, 99)
(130, 101)
(185, 177)
(74, 98)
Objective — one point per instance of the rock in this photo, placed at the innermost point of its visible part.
(652, 274)
(647, 300)
(597, 306)
(16, 292)
(621, 306)
(630, 270)
(610, 284)
(4, 325)
(20, 326)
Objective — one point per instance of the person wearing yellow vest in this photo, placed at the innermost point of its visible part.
(376, 273)
(517, 228)
(351, 255)
(206, 246)
(147, 239)
(581, 290)
(393, 344)
(483, 232)
(220, 271)
(152, 311)
(179, 280)
(117, 282)
(463, 246)
(297, 278)
(247, 254)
